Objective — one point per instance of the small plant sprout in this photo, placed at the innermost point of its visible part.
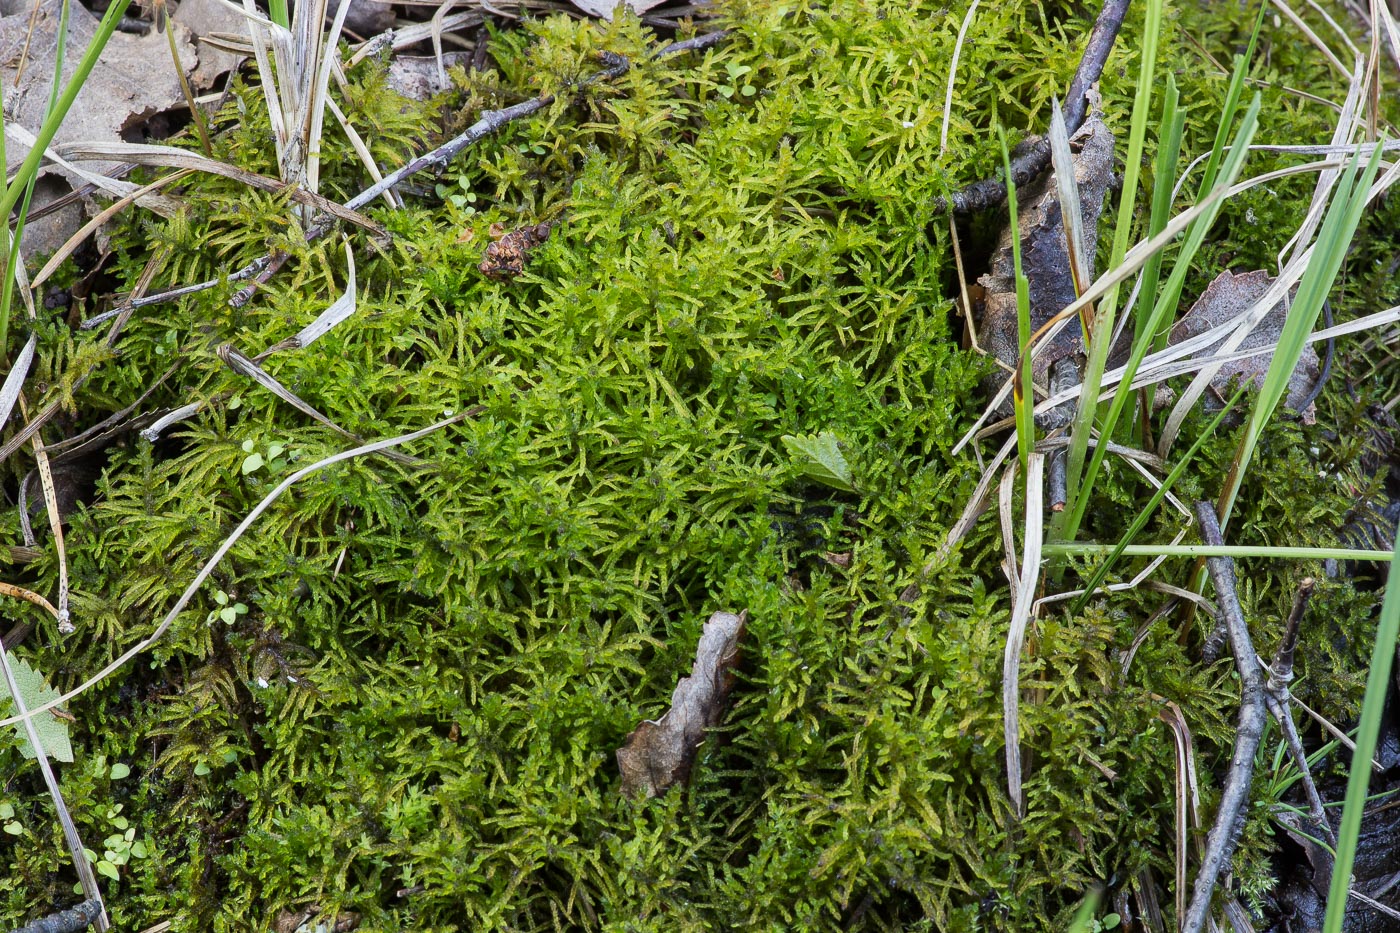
(8, 823)
(465, 199)
(120, 846)
(269, 458)
(227, 612)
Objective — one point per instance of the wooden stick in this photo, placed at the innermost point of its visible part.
(990, 192)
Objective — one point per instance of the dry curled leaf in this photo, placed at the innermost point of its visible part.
(660, 753)
(506, 257)
(1224, 300)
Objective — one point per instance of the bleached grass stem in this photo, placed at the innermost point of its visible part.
(953, 75)
(1020, 621)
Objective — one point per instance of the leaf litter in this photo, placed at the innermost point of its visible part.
(660, 753)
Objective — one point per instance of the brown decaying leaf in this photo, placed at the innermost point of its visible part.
(133, 81)
(660, 753)
(1229, 296)
(1044, 258)
(506, 257)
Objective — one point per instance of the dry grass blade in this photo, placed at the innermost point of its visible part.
(1188, 803)
(1071, 214)
(1020, 620)
(41, 459)
(14, 379)
(170, 157)
(182, 413)
(92, 226)
(29, 596)
(1006, 502)
(1314, 38)
(953, 74)
(412, 35)
(1347, 124)
(357, 143)
(1381, 14)
(70, 832)
(116, 187)
(339, 310)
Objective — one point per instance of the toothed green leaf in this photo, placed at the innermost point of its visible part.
(819, 457)
(52, 731)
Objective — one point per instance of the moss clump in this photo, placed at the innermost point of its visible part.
(436, 664)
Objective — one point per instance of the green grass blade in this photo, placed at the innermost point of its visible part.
(12, 259)
(1377, 683)
(1083, 920)
(1146, 512)
(1167, 301)
(1063, 524)
(1173, 127)
(1023, 390)
(1338, 228)
(1232, 103)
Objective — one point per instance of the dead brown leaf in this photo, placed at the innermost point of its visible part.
(1229, 296)
(210, 18)
(660, 753)
(419, 77)
(1045, 258)
(134, 80)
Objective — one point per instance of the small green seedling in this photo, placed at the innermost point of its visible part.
(255, 461)
(118, 849)
(11, 825)
(465, 198)
(737, 72)
(228, 612)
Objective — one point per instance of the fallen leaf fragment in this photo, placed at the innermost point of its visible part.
(660, 753)
(1225, 299)
(420, 77)
(819, 457)
(35, 691)
(210, 18)
(1045, 258)
(606, 8)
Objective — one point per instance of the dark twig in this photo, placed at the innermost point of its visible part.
(991, 192)
(615, 66)
(1279, 699)
(1234, 799)
(76, 918)
(694, 44)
